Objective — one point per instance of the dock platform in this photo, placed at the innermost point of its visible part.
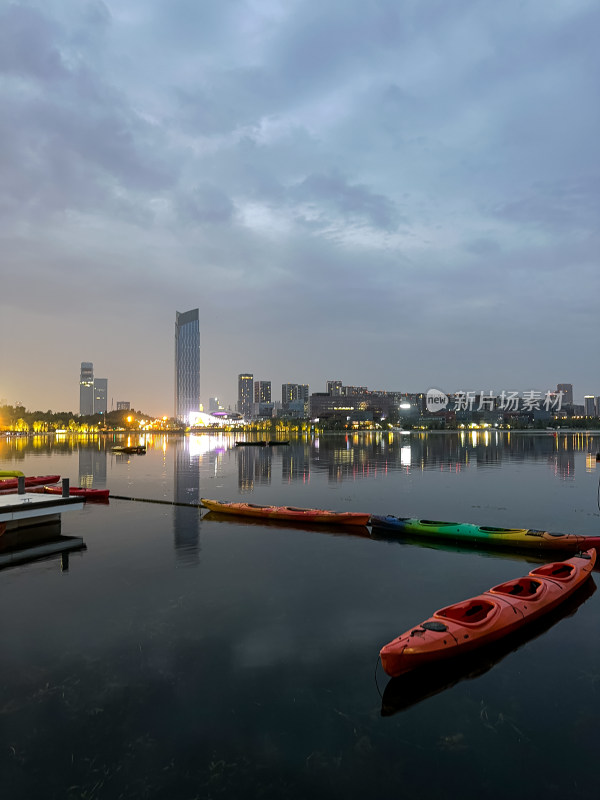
(25, 510)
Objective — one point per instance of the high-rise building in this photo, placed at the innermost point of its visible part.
(567, 393)
(294, 396)
(100, 395)
(187, 364)
(86, 389)
(123, 405)
(262, 391)
(589, 405)
(334, 387)
(245, 386)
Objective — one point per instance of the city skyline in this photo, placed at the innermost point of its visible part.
(401, 195)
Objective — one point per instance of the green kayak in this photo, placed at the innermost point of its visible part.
(467, 533)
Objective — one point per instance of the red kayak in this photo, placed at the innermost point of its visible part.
(13, 483)
(465, 626)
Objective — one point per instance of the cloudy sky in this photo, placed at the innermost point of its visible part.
(402, 194)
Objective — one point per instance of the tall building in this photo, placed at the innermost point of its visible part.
(187, 364)
(334, 387)
(589, 405)
(86, 389)
(123, 405)
(294, 397)
(100, 395)
(262, 391)
(567, 393)
(245, 386)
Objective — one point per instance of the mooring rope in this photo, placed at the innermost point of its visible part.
(152, 500)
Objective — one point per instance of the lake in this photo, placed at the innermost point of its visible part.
(188, 655)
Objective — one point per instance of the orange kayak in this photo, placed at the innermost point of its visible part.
(463, 627)
(288, 513)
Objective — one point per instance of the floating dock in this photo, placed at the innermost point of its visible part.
(26, 510)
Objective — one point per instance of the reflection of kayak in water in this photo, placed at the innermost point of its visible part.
(467, 533)
(413, 687)
(481, 620)
(139, 450)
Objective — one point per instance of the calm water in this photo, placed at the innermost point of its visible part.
(183, 656)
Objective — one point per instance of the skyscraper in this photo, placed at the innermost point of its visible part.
(245, 386)
(187, 363)
(86, 389)
(100, 395)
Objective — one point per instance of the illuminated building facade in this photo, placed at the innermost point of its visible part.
(262, 391)
(187, 364)
(294, 399)
(86, 389)
(245, 387)
(334, 387)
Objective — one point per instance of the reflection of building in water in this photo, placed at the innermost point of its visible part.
(295, 462)
(92, 467)
(563, 456)
(186, 521)
(254, 467)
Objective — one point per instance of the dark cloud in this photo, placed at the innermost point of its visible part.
(412, 179)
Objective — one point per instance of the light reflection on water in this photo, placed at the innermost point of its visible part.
(185, 654)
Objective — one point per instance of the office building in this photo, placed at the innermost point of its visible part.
(86, 389)
(100, 395)
(262, 391)
(589, 405)
(567, 393)
(294, 399)
(334, 388)
(187, 364)
(245, 393)
(123, 405)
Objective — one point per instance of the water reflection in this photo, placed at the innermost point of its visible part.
(341, 456)
(92, 466)
(186, 523)
(356, 456)
(254, 467)
(38, 543)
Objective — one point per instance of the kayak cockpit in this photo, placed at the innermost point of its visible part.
(471, 612)
(561, 571)
(522, 588)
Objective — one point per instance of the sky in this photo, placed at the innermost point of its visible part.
(400, 194)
